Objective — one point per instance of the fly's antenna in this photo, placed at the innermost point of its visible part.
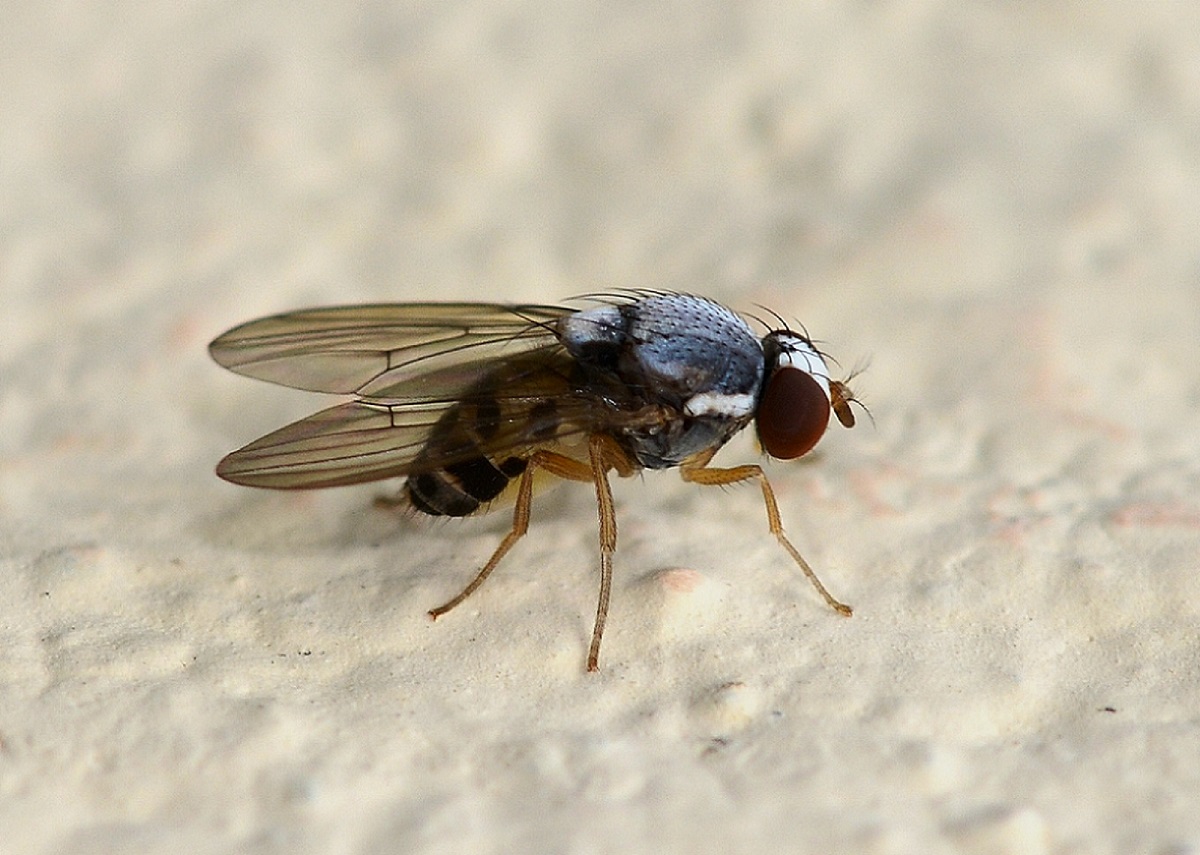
(848, 396)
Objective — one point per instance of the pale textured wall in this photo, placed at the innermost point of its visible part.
(995, 204)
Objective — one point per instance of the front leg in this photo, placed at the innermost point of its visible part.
(697, 472)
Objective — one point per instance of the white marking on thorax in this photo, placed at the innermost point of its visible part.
(717, 404)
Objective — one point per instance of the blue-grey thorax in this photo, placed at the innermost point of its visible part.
(697, 360)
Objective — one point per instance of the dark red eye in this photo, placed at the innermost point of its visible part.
(792, 413)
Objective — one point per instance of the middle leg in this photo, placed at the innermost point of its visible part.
(604, 454)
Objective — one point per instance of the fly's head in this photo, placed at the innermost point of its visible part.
(797, 396)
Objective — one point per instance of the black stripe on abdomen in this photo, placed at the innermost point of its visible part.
(461, 488)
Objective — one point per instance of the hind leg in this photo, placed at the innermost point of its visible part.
(555, 464)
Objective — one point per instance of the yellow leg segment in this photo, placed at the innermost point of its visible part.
(699, 473)
(603, 455)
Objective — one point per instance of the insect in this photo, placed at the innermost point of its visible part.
(470, 402)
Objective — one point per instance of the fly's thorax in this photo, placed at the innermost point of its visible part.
(670, 348)
(595, 337)
(697, 359)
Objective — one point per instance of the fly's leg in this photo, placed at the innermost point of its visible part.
(555, 464)
(699, 473)
(604, 455)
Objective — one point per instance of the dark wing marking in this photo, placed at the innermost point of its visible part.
(377, 351)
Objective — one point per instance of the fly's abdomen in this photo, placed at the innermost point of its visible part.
(460, 489)
(475, 477)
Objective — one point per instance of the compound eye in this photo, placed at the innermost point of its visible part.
(792, 414)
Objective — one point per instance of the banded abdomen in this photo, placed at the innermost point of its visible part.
(486, 439)
(462, 488)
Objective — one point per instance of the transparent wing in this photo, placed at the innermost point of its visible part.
(524, 404)
(398, 351)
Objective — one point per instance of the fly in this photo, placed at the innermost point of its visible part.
(470, 401)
